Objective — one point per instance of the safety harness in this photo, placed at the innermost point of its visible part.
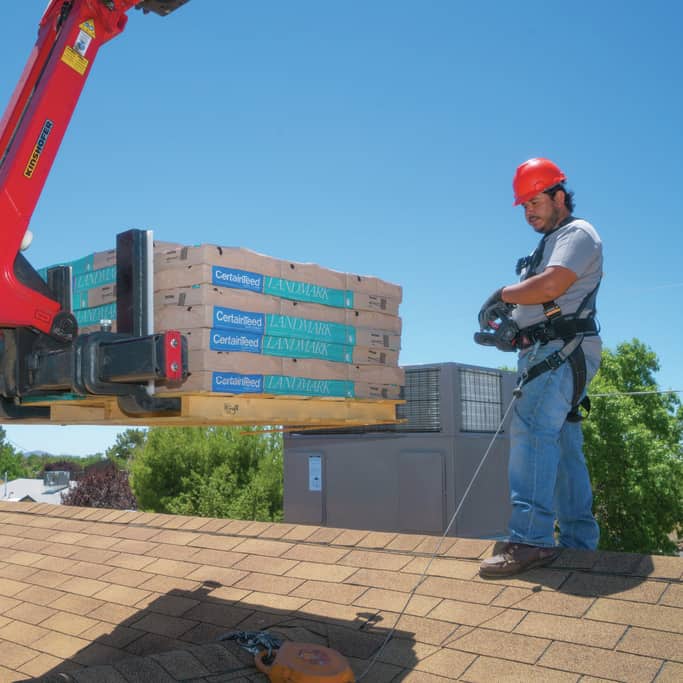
(571, 329)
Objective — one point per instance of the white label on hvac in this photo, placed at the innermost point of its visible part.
(315, 473)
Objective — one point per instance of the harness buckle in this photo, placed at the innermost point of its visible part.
(537, 334)
(555, 360)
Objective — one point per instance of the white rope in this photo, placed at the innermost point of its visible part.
(438, 546)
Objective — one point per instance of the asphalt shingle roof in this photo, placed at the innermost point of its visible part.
(112, 596)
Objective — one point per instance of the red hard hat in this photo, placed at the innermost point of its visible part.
(535, 176)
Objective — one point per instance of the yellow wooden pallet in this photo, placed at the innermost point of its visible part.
(226, 410)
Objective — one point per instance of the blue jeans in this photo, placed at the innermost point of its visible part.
(549, 479)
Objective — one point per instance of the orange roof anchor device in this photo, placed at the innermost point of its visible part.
(292, 662)
(305, 663)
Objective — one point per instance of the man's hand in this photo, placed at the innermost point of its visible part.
(493, 308)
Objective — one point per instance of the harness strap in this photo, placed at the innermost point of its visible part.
(573, 353)
(552, 311)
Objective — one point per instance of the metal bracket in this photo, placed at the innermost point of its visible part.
(141, 403)
(60, 284)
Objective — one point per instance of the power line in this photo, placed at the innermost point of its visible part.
(636, 393)
(670, 285)
(16, 445)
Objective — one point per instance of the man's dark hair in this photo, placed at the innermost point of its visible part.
(568, 196)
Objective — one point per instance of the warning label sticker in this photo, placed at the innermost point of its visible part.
(88, 27)
(75, 60)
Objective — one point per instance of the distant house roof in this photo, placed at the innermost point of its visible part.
(143, 596)
(33, 490)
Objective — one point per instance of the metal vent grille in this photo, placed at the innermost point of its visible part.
(423, 401)
(422, 408)
(481, 400)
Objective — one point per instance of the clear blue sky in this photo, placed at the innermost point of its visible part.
(379, 138)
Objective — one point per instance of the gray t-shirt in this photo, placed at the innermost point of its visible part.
(577, 246)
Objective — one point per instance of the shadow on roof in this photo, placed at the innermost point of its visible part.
(183, 636)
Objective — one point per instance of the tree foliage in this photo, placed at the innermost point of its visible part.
(102, 487)
(231, 472)
(634, 452)
(126, 446)
(11, 463)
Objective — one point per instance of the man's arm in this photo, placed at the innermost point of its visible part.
(546, 286)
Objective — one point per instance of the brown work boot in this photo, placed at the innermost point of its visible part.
(515, 558)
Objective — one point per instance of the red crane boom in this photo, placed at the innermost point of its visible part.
(39, 346)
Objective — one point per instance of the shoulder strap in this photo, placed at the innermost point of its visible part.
(532, 262)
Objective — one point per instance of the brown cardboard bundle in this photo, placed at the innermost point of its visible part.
(99, 260)
(286, 386)
(237, 310)
(189, 276)
(210, 295)
(201, 360)
(243, 259)
(218, 317)
(231, 341)
(94, 297)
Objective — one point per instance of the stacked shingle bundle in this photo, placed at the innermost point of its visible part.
(260, 325)
(94, 288)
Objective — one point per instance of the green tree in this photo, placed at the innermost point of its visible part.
(11, 463)
(125, 447)
(231, 472)
(634, 453)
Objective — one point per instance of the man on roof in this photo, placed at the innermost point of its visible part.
(548, 317)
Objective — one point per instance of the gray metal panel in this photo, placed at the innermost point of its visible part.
(421, 491)
(362, 491)
(486, 511)
(300, 504)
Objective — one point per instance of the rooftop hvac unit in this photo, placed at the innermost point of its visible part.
(56, 480)
(410, 476)
(445, 398)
